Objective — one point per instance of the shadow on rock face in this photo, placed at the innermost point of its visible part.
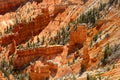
(73, 48)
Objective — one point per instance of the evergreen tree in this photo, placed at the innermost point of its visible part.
(38, 40)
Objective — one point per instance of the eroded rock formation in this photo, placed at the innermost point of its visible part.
(86, 57)
(43, 72)
(77, 38)
(12, 47)
(26, 56)
(12, 5)
(24, 31)
(77, 41)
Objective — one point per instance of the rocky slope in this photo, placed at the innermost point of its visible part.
(60, 40)
(12, 5)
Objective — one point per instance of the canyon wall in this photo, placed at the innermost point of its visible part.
(77, 38)
(12, 5)
(5, 40)
(24, 31)
(86, 57)
(43, 72)
(26, 56)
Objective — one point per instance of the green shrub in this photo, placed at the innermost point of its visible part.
(108, 69)
(74, 78)
(107, 53)
(68, 27)
(107, 36)
(95, 38)
(69, 63)
(83, 69)
(73, 61)
(20, 47)
(99, 78)
(38, 39)
(77, 50)
(102, 6)
(63, 36)
(43, 40)
(28, 44)
(22, 76)
(62, 31)
(115, 48)
(7, 69)
(110, 2)
(91, 43)
(88, 76)
(75, 27)
(51, 41)
(92, 78)
(34, 45)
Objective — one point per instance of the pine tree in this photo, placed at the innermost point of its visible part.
(75, 27)
(110, 2)
(38, 40)
(28, 44)
(74, 78)
(43, 40)
(88, 76)
(69, 63)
